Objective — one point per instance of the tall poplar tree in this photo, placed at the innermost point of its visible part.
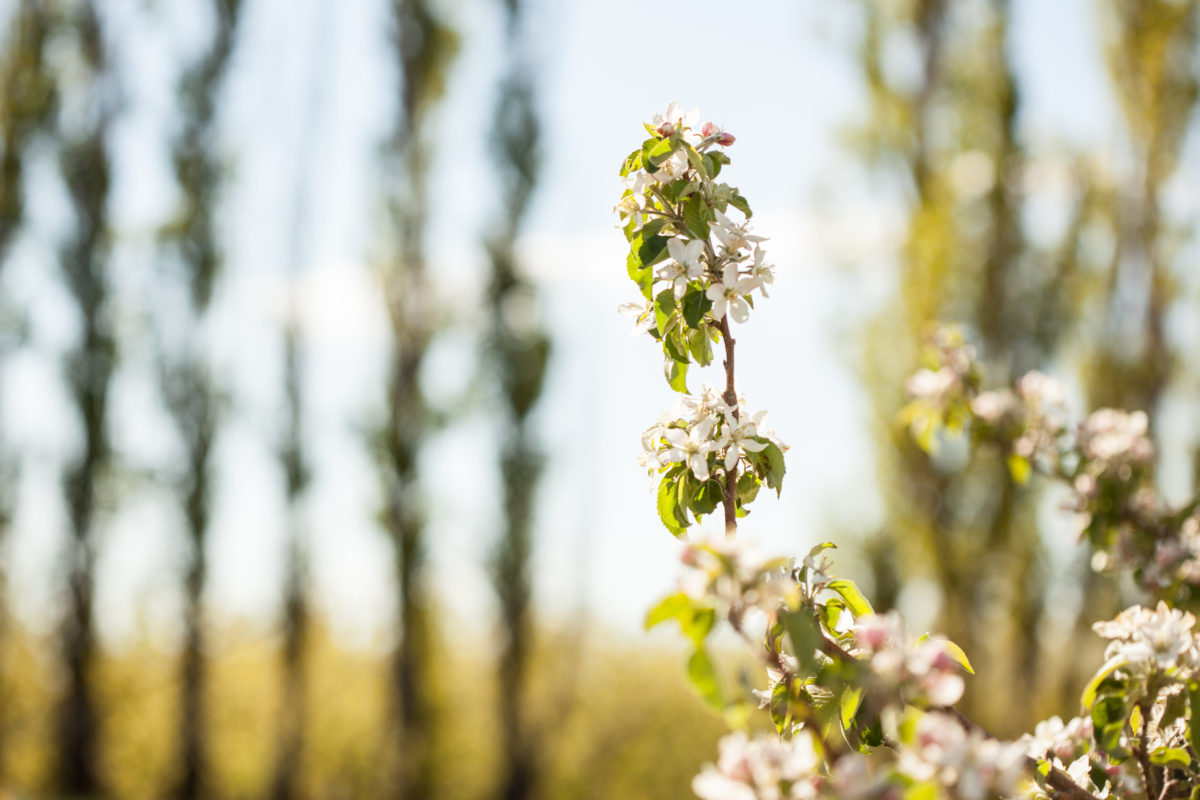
(193, 394)
(946, 137)
(424, 47)
(518, 350)
(27, 101)
(84, 141)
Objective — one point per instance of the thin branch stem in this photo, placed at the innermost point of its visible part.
(729, 490)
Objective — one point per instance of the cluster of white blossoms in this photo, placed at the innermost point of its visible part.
(1115, 442)
(970, 764)
(728, 264)
(1158, 640)
(762, 768)
(696, 426)
(923, 670)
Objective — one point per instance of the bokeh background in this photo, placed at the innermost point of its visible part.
(318, 425)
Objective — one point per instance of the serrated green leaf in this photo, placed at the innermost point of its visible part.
(780, 706)
(747, 487)
(695, 305)
(1089, 692)
(1194, 722)
(1171, 757)
(954, 651)
(651, 249)
(632, 162)
(676, 373)
(703, 677)
(641, 274)
(850, 701)
(855, 601)
(700, 346)
(706, 497)
(672, 516)
(674, 346)
(805, 634)
(1109, 715)
(696, 216)
(656, 151)
(673, 606)
(740, 204)
(775, 468)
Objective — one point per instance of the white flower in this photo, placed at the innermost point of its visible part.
(685, 264)
(733, 237)
(730, 294)
(761, 272)
(691, 447)
(932, 387)
(674, 168)
(762, 768)
(740, 434)
(1115, 436)
(642, 313)
(1161, 638)
(994, 406)
(633, 201)
(673, 118)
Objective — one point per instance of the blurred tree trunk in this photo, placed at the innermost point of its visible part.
(518, 350)
(84, 162)
(27, 102)
(424, 47)
(192, 392)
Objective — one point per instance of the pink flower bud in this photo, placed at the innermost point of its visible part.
(725, 139)
(708, 129)
(666, 129)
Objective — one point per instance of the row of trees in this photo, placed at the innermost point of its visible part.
(1095, 291)
(63, 96)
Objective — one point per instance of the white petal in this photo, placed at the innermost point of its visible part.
(739, 310)
(716, 293)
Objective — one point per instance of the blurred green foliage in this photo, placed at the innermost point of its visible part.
(647, 745)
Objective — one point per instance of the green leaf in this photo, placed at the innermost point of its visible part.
(849, 703)
(700, 347)
(632, 162)
(855, 601)
(672, 516)
(1194, 722)
(1110, 666)
(676, 373)
(655, 152)
(674, 347)
(805, 633)
(706, 497)
(1171, 757)
(1109, 715)
(740, 204)
(641, 274)
(703, 677)
(696, 216)
(695, 305)
(774, 465)
(1018, 468)
(780, 706)
(673, 606)
(747, 487)
(698, 625)
(651, 249)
